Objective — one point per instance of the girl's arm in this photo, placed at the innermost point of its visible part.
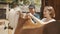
(36, 19)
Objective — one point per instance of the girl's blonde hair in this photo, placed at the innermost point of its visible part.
(50, 9)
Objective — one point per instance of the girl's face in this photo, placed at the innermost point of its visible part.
(46, 13)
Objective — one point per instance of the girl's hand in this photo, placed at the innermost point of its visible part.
(27, 17)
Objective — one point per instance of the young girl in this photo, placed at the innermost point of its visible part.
(48, 14)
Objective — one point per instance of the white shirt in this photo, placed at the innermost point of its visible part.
(46, 22)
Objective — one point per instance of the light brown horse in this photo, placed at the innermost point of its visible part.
(25, 26)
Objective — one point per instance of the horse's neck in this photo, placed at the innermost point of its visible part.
(20, 24)
(21, 21)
